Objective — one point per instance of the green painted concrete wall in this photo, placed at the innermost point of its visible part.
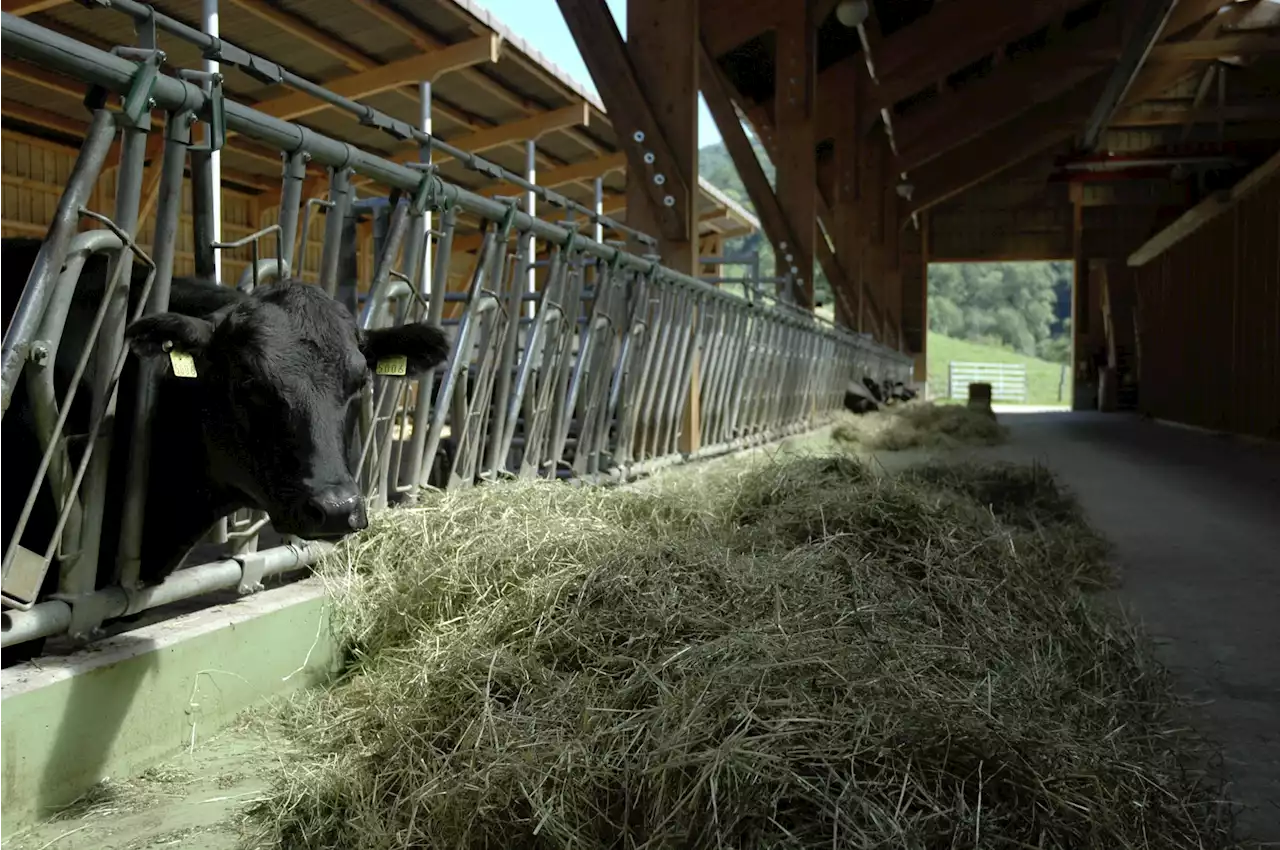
(117, 710)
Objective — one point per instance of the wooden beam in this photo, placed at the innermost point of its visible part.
(585, 170)
(662, 44)
(953, 35)
(534, 127)
(1206, 49)
(726, 24)
(424, 40)
(608, 60)
(417, 68)
(1017, 85)
(717, 93)
(303, 31)
(797, 177)
(1039, 129)
(504, 134)
(43, 118)
(1264, 110)
(22, 8)
(1189, 12)
(1157, 77)
(844, 224)
(1203, 213)
(1148, 22)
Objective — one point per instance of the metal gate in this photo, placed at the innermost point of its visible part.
(589, 377)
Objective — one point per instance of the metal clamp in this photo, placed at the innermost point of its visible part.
(251, 570)
(255, 66)
(427, 195)
(138, 103)
(217, 109)
(394, 127)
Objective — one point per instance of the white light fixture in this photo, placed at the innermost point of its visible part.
(852, 13)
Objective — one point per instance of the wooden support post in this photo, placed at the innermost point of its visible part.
(1081, 351)
(794, 80)
(845, 227)
(662, 46)
(650, 87)
(662, 42)
(921, 371)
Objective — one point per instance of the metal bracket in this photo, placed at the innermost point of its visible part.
(178, 127)
(394, 127)
(556, 200)
(217, 109)
(255, 66)
(424, 197)
(485, 167)
(251, 569)
(572, 227)
(138, 103)
(89, 611)
(295, 165)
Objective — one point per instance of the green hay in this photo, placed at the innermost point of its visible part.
(797, 654)
(919, 425)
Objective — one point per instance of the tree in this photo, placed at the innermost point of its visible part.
(1024, 307)
(715, 164)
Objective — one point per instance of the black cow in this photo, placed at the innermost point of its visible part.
(269, 421)
(859, 399)
(898, 391)
(874, 387)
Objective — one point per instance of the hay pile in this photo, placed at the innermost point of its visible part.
(794, 655)
(920, 425)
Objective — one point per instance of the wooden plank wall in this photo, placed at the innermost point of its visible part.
(1209, 322)
(35, 172)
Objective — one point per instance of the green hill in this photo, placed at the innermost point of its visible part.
(1043, 377)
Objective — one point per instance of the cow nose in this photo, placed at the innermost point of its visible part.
(335, 512)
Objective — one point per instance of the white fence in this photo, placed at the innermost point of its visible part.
(1008, 380)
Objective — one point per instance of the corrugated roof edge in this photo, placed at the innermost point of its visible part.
(730, 204)
(484, 16)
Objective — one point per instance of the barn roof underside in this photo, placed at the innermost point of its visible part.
(488, 108)
(988, 104)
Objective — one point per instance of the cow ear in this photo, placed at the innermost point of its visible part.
(154, 335)
(422, 346)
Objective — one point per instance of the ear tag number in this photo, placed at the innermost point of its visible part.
(184, 365)
(394, 365)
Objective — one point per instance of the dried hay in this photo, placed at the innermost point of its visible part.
(920, 425)
(801, 654)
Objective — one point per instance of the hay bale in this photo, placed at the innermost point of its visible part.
(920, 425)
(796, 654)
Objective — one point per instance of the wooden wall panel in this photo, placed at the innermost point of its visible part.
(1209, 322)
(35, 171)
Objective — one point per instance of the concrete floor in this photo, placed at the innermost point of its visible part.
(1195, 519)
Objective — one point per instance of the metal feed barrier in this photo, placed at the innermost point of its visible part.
(588, 377)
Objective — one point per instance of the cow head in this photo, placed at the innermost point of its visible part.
(278, 379)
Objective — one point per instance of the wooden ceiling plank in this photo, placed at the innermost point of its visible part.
(953, 35)
(417, 68)
(586, 170)
(1016, 86)
(971, 164)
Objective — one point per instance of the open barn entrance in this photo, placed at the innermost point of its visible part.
(1004, 323)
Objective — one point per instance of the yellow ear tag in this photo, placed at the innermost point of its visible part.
(184, 365)
(394, 365)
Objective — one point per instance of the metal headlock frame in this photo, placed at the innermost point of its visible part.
(610, 344)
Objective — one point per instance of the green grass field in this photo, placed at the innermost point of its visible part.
(1042, 376)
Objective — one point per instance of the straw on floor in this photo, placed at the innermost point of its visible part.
(797, 654)
(919, 424)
